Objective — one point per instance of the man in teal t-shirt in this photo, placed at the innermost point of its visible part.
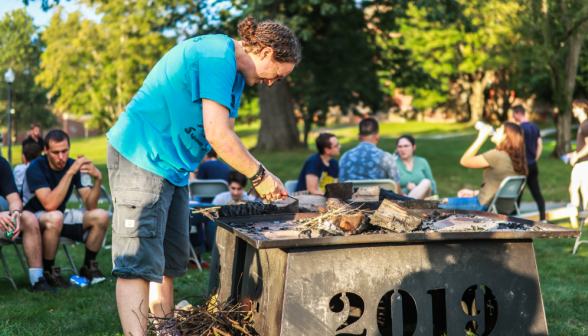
(187, 105)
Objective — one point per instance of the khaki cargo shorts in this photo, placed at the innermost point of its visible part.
(150, 226)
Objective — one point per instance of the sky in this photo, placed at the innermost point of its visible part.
(40, 17)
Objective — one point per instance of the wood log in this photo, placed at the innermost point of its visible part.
(393, 217)
(366, 194)
(353, 223)
(419, 204)
(335, 204)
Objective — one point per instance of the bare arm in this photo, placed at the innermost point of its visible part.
(90, 196)
(51, 199)
(312, 182)
(539, 148)
(469, 158)
(220, 135)
(7, 222)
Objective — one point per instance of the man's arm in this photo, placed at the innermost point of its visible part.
(312, 182)
(90, 196)
(539, 148)
(51, 199)
(217, 127)
(15, 206)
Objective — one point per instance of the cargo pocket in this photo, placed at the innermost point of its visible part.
(136, 214)
(112, 157)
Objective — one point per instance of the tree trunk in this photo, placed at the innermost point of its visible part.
(476, 99)
(278, 123)
(564, 92)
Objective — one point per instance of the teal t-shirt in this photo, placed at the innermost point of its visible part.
(161, 129)
(420, 171)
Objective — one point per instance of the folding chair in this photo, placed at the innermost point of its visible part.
(291, 186)
(387, 184)
(510, 189)
(6, 242)
(207, 188)
(63, 241)
(582, 215)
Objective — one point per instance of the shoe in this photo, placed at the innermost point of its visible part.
(191, 263)
(54, 279)
(43, 286)
(92, 273)
(205, 264)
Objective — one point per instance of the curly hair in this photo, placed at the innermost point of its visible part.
(258, 35)
(514, 146)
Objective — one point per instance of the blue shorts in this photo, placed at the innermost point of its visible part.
(463, 203)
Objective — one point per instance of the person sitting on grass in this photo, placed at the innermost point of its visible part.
(236, 193)
(416, 178)
(321, 168)
(48, 185)
(508, 159)
(30, 152)
(22, 223)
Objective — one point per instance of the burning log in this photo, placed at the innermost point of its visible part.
(396, 218)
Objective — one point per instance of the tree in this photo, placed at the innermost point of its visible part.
(554, 32)
(97, 68)
(20, 49)
(466, 50)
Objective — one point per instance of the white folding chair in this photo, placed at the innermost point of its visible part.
(510, 189)
(582, 215)
(291, 186)
(207, 188)
(387, 184)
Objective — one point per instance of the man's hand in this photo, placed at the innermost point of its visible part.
(7, 224)
(16, 216)
(77, 165)
(271, 188)
(410, 186)
(90, 169)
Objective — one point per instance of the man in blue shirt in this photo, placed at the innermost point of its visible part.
(49, 182)
(366, 161)
(186, 106)
(213, 169)
(534, 146)
(321, 168)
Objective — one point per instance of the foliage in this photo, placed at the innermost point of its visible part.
(465, 51)
(20, 50)
(553, 33)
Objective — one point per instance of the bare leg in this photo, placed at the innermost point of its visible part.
(97, 222)
(422, 190)
(51, 224)
(131, 300)
(31, 239)
(161, 297)
(575, 193)
(584, 190)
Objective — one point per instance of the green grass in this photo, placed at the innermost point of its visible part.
(92, 311)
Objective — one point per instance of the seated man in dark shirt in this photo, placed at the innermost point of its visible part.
(49, 182)
(321, 168)
(15, 223)
(213, 169)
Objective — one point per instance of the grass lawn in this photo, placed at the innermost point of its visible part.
(92, 311)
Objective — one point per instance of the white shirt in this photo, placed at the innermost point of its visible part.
(225, 197)
(19, 174)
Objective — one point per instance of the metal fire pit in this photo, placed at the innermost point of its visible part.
(422, 283)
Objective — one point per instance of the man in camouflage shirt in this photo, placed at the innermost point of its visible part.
(366, 161)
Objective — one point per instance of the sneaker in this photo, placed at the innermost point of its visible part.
(205, 264)
(55, 279)
(92, 273)
(43, 286)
